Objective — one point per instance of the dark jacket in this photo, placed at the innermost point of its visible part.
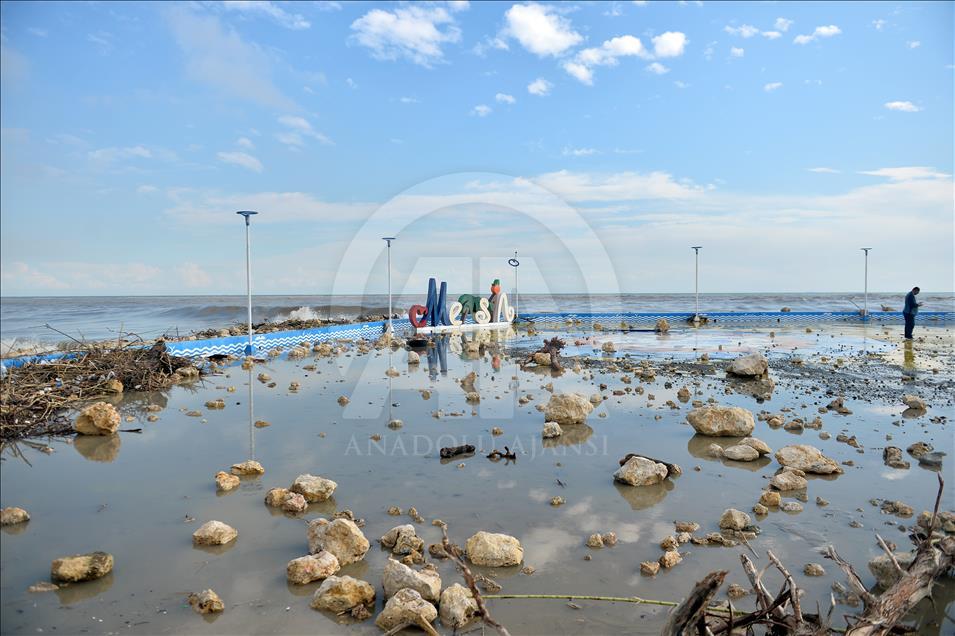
(911, 306)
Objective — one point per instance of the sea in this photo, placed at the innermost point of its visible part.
(30, 321)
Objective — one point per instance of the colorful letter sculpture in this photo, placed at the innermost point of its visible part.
(436, 312)
(417, 315)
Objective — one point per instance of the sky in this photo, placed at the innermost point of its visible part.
(599, 140)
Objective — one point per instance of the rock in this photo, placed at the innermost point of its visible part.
(607, 347)
(714, 450)
(892, 456)
(640, 471)
(736, 590)
(662, 326)
(542, 359)
(313, 488)
(567, 408)
(761, 447)
(752, 365)
(405, 607)
(686, 526)
(312, 567)
(457, 606)
(114, 386)
(814, 569)
(919, 448)
(596, 399)
(791, 506)
(733, 519)
(402, 540)
(98, 419)
(551, 429)
(250, 467)
(946, 521)
(81, 567)
(341, 593)
(275, 497)
(914, 402)
(725, 421)
(42, 586)
(413, 358)
(741, 453)
(609, 538)
(206, 602)
(340, 536)
(884, 570)
(226, 482)
(760, 509)
(398, 576)
(494, 550)
(807, 459)
(294, 502)
(770, 498)
(214, 533)
(557, 501)
(649, 568)
(670, 558)
(13, 515)
(343, 400)
(897, 508)
(595, 541)
(669, 543)
(788, 480)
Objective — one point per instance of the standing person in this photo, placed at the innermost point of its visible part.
(910, 311)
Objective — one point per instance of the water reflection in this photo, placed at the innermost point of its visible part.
(438, 356)
(908, 359)
(641, 497)
(98, 448)
(699, 444)
(72, 593)
(572, 435)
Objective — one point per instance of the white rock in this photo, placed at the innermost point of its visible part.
(741, 453)
(214, 533)
(398, 576)
(733, 519)
(97, 419)
(752, 365)
(788, 480)
(402, 540)
(640, 471)
(551, 429)
(457, 606)
(341, 593)
(808, 459)
(721, 421)
(494, 550)
(761, 447)
(405, 607)
(312, 567)
(413, 357)
(914, 402)
(341, 537)
(567, 408)
(313, 488)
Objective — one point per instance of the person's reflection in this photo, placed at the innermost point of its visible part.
(908, 359)
(438, 356)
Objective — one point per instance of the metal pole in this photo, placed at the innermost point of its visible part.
(248, 275)
(515, 286)
(696, 281)
(865, 310)
(388, 240)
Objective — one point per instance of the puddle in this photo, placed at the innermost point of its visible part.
(140, 496)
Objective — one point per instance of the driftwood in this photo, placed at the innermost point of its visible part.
(496, 455)
(673, 470)
(454, 553)
(690, 615)
(553, 347)
(452, 451)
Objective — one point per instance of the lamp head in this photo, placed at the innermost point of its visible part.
(388, 239)
(246, 214)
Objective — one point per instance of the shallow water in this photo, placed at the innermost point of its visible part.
(136, 495)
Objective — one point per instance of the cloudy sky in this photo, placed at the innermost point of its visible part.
(600, 140)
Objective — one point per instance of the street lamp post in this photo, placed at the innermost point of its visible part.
(696, 281)
(865, 306)
(513, 262)
(248, 274)
(388, 240)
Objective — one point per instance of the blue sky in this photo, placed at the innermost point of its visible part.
(600, 140)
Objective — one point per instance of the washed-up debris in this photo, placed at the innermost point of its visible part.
(453, 451)
(496, 455)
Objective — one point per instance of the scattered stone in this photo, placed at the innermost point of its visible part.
(897, 508)
(914, 402)
(919, 448)
(313, 488)
(312, 567)
(791, 506)
(340, 536)
(341, 593)
(662, 325)
(759, 445)
(838, 405)
(226, 482)
(214, 533)
(932, 460)
(752, 365)
(727, 421)
(760, 509)
(250, 467)
(13, 515)
(741, 453)
(294, 502)
(458, 606)
(494, 550)
(43, 586)
(670, 558)
(101, 418)
(404, 608)
(714, 450)
(649, 568)
(81, 567)
(892, 456)
(609, 538)
(557, 501)
(687, 526)
(640, 471)
(567, 408)
(215, 405)
(551, 429)
(807, 459)
(770, 498)
(788, 480)
(275, 497)
(669, 543)
(413, 358)
(206, 602)
(814, 569)
(402, 540)
(595, 541)
(736, 591)
(821, 502)
(398, 576)
(343, 400)
(733, 519)
(683, 394)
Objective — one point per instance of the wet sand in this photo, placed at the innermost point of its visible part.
(140, 496)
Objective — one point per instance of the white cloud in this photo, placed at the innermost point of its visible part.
(192, 275)
(241, 159)
(621, 186)
(481, 110)
(108, 155)
(20, 274)
(292, 21)
(905, 107)
(102, 40)
(607, 54)
(351, 83)
(413, 32)
(540, 29)
(327, 5)
(669, 44)
(680, 84)
(657, 68)
(640, 3)
(913, 44)
(578, 152)
(408, 100)
(820, 32)
(772, 35)
(504, 98)
(539, 87)
(782, 24)
(772, 86)
(744, 31)
(218, 57)
(147, 189)
(879, 24)
(244, 142)
(299, 126)
(40, 33)
(907, 173)
(737, 52)
(824, 170)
